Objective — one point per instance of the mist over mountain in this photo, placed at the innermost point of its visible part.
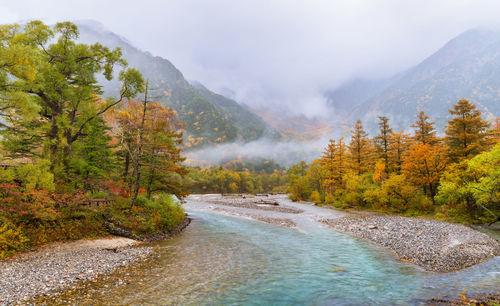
(210, 118)
(466, 67)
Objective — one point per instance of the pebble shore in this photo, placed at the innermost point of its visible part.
(248, 202)
(63, 265)
(285, 222)
(434, 245)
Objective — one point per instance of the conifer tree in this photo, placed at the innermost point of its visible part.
(425, 133)
(383, 140)
(398, 146)
(340, 162)
(328, 162)
(360, 155)
(466, 134)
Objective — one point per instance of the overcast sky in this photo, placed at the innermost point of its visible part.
(275, 52)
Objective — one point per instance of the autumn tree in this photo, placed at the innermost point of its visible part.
(162, 152)
(49, 86)
(157, 152)
(327, 160)
(340, 162)
(425, 133)
(360, 150)
(398, 145)
(466, 134)
(298, 183)
(383, 140)
(423, 166)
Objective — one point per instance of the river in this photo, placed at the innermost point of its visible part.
(227, 260)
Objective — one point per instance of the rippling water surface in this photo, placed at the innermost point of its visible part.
(228, 260)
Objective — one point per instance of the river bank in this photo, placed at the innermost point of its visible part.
(227, 260)
(436, 246)
(62, 265)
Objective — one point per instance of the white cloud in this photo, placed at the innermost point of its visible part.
(279, 53)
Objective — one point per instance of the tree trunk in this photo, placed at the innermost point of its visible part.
(139, 151)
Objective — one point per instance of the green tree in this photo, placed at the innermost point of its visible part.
(473, 186)
(57, 86)
(383, 141)
(466, 134)
(93, 157)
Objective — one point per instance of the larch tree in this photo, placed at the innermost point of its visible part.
(360, 150)
(398, 146)
(162, 152)
(383, 140)
(423, 166)
(425, 133)
(340, 162)
(328, 161)
(466, 133)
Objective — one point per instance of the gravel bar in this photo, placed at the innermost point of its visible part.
(434, 245)
(285, 222)
(63, 265)
(246, 201)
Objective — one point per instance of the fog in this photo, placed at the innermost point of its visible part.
(278, 54)
(285, 153)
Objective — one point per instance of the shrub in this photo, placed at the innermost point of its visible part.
(12, 239)
(315, 197)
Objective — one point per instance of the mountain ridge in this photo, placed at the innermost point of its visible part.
(209, 118)
(464, 67)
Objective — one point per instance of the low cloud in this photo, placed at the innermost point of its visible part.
(285, 153)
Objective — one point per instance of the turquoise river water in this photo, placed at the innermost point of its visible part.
(223, 260)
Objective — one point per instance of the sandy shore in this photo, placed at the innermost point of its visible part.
(61, 265)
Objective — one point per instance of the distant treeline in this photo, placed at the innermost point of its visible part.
(456, 177)
(224, 180)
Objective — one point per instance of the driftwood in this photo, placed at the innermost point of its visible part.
(267, 202)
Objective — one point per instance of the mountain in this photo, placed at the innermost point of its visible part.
(210, 118)
(465, 67)
(353, 93)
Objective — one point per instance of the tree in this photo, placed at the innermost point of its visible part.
(328, 160)
(466, 133)
(399, 143)
(473, 186)
(162, 152)
(298, 183)
(93, 158)
(383, 140)
(425, 133)
(57, 88)
(360, 150)
(340, 162)
(156, 153)
(424, 165)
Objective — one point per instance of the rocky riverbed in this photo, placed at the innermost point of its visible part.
(436, 246)
(247, 201)
(63, 265)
